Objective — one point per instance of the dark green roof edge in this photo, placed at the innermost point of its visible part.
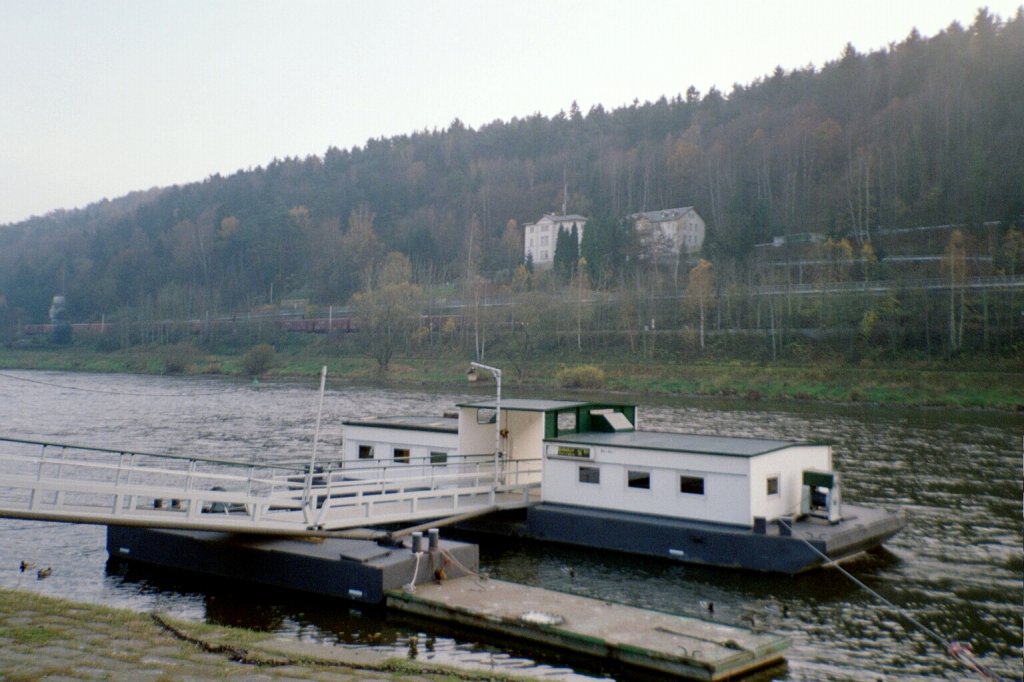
(581, 438)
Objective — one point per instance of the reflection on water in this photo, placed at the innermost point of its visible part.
(958, 567)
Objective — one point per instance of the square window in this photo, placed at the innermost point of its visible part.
(439, 458)
(639, 479)
(365, 452)
(691, 485)
(590, 475)
(402, 455)
(773, 485)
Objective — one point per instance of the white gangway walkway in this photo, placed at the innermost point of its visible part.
(81, 484)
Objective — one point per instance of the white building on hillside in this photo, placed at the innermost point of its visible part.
(541, 236)
(669, 233)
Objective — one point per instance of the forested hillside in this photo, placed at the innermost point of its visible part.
(927, 132)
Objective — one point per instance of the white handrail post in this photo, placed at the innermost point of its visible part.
(307, 494)
(42, 461)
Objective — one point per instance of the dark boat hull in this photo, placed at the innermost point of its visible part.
(358, 570)
(773, 550)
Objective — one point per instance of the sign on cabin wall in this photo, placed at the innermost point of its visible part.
(566, 451)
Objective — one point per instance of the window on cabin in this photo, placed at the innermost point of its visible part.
(566, 422)
(590, 475)
(439, 458)
(486, 416)
(691, 485)
(639, 479)
(365, 452)
(773, 485)
(401, 455)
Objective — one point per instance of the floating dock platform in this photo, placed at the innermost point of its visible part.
(357, 570)
(667, 644)
(438, 581)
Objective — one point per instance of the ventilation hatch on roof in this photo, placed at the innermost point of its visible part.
(610, 420)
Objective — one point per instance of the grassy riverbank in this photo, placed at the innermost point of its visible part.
(46, 638)
(966, 383)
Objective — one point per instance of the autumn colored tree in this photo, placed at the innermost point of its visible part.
(700, 289)
(389, 311)
(361, 249)
(1013, 251)
(580, 286)
(954, 271)
(511, 246)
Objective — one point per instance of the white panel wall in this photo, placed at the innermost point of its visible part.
(788, 464)
(474, 439)
(524, 439)
(526, 434)
(726, 491)
(384, 441)
(735, 488)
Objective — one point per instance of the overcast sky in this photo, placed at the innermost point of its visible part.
(99, 98)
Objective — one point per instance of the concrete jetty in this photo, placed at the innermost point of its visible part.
(679, 646)
(437, 579)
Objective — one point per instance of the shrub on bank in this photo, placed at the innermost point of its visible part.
(178, 358)
(581, 376)
(258, 360)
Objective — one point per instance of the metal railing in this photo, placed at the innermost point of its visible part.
(883, 286)
(62, 482)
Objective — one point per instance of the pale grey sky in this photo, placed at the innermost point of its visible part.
(102, 97)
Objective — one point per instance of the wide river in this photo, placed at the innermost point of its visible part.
(958, 567)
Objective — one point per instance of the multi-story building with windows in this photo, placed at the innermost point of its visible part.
(540, 237)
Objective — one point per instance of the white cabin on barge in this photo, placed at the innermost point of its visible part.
(591, 455)
(712, 479)
(596, 481)
(413, 441)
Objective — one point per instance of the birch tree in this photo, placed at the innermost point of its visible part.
(700, 289)
(954, 272)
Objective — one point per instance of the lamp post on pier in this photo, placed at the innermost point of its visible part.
(497, 411)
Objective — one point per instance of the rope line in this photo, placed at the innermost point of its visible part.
(100, 390)
(451, 557)
(958, 650)
(410, 587)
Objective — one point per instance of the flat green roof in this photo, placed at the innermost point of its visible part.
(527, 404)
(410, 422)
(729, 446)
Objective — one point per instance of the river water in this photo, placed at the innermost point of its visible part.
(957, 568)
